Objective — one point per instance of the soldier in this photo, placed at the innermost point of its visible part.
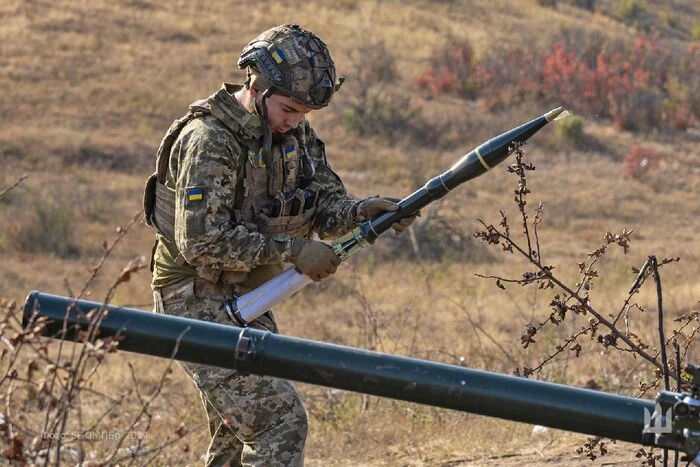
(241, 185)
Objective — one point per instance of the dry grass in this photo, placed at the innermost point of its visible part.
(89, 88)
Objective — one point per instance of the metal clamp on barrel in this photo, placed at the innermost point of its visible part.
(675, 423)
(244, 349)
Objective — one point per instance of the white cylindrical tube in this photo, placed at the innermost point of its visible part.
(256, 302)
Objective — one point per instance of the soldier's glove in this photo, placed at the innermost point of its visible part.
(370, 208)
(313, 258)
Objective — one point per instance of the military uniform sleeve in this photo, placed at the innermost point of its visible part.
(335, 212)
(207, 229)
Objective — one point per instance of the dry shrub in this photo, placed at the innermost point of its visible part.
(381, 114)
(373, 105)
(637, 110)
(624, 331)
(136, 158)
(55, 409)
(47, 227)
(583, 4)
(434, 238)
(54, 413)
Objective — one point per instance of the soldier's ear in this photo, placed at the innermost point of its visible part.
(253, 92)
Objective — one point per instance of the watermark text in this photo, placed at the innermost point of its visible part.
(95, 435)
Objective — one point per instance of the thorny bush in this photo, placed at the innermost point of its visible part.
(52, 412)
(609, 332)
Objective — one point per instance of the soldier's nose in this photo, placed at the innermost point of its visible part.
(294, 120)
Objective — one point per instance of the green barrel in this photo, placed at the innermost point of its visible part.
(425, 382)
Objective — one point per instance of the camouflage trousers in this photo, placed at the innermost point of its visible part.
(253, 420)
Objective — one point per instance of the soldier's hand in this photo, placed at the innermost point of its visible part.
(370, 208)
(313, 258)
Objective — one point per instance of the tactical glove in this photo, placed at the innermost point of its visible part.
(313, 258)
(370, 208)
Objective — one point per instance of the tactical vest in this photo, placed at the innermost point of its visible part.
(274, 193)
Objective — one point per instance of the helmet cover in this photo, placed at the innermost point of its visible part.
(294, 62)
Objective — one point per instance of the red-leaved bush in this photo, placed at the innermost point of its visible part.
(641, 160)
(638, 85)
(451, 69)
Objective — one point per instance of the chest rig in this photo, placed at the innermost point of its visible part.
(278, 196)
(274, 192)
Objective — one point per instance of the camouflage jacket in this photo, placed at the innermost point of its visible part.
(205, 170)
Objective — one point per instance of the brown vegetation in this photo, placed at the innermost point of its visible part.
(89, 88)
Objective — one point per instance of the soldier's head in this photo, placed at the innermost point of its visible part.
(290, 68)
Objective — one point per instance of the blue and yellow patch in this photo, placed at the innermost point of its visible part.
(290, 152)
(256, 158)
(278, 55)
(195, 194)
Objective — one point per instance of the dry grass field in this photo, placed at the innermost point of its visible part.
(89, 87)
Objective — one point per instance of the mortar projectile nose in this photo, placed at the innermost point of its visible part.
(552, 114)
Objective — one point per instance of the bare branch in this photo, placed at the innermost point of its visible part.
(13, 186)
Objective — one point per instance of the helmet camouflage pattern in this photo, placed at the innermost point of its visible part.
(294, 62)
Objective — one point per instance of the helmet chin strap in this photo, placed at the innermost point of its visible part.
(267, 133)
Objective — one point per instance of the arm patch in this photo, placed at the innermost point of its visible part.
(195, 194)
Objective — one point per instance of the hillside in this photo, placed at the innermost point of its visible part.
(89, 88)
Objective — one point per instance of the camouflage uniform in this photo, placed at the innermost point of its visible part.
(219, 251)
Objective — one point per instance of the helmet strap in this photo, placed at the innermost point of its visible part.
(267, 133)
(248, 77)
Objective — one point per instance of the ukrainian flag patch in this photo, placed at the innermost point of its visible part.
(278, 55)
(195, 194)
(290, 152)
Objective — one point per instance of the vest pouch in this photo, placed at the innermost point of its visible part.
(233, 277)
(149, 199)
(159, 207)
(164, 211)
(311, 196)
(284, 224)
(296, 205)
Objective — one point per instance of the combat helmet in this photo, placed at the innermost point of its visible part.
(294, 62)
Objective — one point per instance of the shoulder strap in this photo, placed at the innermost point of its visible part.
(197, 109)
(224, 107)
(163, 154)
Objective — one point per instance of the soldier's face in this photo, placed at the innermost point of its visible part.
(283, 114)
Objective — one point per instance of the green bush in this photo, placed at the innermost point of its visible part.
(696, 32)
(571, 130)
(633, 13)
(671, 19)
